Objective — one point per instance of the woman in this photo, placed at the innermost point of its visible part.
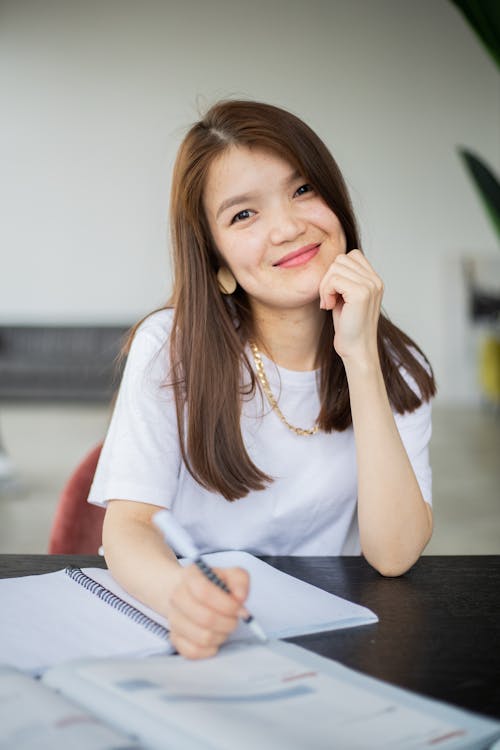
(272, 407)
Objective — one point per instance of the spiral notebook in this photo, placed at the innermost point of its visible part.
(84, 614)
(115, 601)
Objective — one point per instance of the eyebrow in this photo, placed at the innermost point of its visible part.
(234, 201)
(246, 197)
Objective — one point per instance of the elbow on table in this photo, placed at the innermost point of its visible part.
(393, 566)
(392, 569)
(402, 555)
(394, 563)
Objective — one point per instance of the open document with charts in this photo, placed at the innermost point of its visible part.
(272, 697)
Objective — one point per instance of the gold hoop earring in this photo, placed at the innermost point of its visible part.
(226, 280)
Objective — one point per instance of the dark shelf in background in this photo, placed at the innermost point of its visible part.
(60, 363)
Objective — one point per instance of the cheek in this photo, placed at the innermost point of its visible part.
(341, 238)
(225, 247)
(242, 252)
(329, 223)
(318, 212)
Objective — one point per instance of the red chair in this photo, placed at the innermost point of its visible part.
(77, 525)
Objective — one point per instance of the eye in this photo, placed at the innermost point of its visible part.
(303, 189)
(242, 215)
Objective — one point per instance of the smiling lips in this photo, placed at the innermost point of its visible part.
(298, 257)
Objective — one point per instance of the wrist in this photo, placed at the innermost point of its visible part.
(365, 380)
(362, 363)
(173, 574)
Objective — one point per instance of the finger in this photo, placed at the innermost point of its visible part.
(344, 261)
(359, 264)
(208, 593)
(348, 283)
(360, 259)
(352, 271)
(191, 650)
(329, 300)
(238, 581)
(201, 636)
(342, 264)
(356, 252)
(183, 608)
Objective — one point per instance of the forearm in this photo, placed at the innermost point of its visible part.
(138, 557)
(201, 616)
(395, 522)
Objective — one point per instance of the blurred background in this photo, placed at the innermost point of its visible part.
(96, 97)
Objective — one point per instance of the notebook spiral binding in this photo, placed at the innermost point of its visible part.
(76, 574)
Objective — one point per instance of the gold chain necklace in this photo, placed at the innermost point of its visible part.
(259, 365)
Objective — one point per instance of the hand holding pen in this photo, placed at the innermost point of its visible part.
(203, 609)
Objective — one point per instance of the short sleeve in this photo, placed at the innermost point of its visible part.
(140, 459)
(415, 429)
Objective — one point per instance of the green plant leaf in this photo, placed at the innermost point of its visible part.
(486, 184)
(484, 17)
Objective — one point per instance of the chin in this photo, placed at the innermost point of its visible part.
(305, 300)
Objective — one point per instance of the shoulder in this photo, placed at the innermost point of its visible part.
(156, 327)
(149, 347)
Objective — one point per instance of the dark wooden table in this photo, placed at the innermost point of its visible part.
(438, 629)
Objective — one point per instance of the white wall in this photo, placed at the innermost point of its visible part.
(95, 97)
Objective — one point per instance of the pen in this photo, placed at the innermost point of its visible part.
(177, 536)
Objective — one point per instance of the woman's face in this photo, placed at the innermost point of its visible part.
(273, 230)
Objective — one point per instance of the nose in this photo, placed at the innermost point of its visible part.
(286, 225)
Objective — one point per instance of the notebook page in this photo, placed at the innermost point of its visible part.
(49, 619)
(286, 606)
(283, 605)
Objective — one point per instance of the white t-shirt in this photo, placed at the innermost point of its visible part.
(309, 508)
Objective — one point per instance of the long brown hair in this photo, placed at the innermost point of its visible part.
(209, 333)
